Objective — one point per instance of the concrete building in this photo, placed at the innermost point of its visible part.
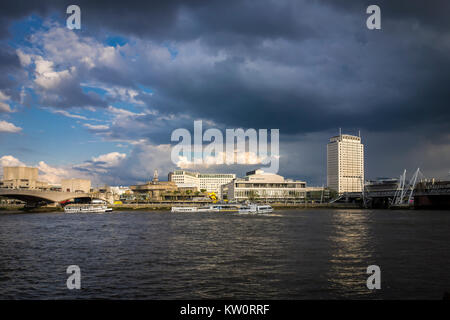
(76, 185)
(211, 182)
(258, 185)
(345, 163)
(154, 190)
(12, 173)
(22, 178)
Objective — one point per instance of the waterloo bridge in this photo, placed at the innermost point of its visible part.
(34, 198)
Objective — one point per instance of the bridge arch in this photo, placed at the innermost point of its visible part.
(37, 196)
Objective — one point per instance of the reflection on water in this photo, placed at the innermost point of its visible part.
(291, 254)
(351, 253)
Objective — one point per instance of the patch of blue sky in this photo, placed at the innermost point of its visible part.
(145, 89)
(52, 138)
(46, 136)
(21, 29)
(126, 106)
(32, 98)
(100, 91)
(171, 48)
(11, 77)
(116, 40)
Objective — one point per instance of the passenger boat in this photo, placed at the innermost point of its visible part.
(254, 208)
(184, 209)
(228, 208)
(96, 206)
(208, 208)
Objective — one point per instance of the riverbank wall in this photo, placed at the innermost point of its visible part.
(167, 207)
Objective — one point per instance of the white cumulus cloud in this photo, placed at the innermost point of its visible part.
(9, 127)
(47, 77)
(96, 127)
(110, 159)
(4, 107)
(52, 174)
(10, 161)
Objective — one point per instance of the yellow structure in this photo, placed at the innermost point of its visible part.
(212, 196)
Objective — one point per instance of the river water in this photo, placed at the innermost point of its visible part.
(291, 254)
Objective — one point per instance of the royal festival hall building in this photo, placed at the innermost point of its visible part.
(263, 186)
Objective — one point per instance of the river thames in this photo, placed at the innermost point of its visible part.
(290, 254)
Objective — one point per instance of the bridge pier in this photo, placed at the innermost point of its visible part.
(379, 203)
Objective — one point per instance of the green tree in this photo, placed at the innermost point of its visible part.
(253, 195)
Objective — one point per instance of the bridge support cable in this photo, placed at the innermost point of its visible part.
(398, 196)
(404, 193)
(363, 192)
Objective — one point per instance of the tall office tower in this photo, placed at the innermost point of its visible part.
(345, 163)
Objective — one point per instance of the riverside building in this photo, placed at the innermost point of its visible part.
(153, 190)
(345, 163)
(211, 182)
(76, 185)
(22, 178)
(258, 185)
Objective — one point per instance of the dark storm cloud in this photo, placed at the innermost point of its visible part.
(395, 58)
(430, 13)
(395, 76)
(69, 94)
(301, 66)
(175, 20)
(9, 65)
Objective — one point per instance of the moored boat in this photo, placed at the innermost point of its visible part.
(254, 208)
(227, 208)
(184, 209)
(208, 208)
(96, 206)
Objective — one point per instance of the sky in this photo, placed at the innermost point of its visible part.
(102, 102)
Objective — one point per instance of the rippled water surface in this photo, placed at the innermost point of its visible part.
(292, 254)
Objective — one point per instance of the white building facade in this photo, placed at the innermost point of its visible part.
(211, 182)
(268, 187)
(345, 163)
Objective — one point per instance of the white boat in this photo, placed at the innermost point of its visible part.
(195, 209)
(254, 208)
(184, 209)
(208, 208)
(96, 206)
